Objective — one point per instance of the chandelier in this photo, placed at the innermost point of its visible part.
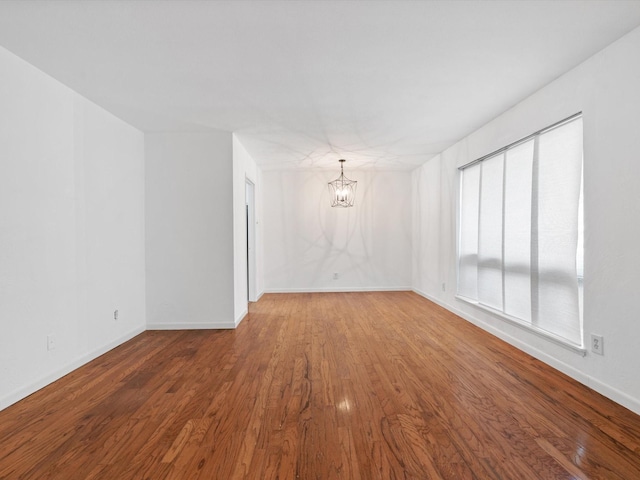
(342, 190)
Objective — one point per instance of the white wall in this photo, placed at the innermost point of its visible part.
(306, 241)
(244, 167)
(189, 230)
(606, 89)
(71, 229)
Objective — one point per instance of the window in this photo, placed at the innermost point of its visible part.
(521, 232)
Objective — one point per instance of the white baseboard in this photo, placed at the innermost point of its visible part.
(615, 395)
(338, 289)
(191, 326)
(608, 391)
(27, 390)
(241, 317)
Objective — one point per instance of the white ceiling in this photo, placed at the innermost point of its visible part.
(303, 83)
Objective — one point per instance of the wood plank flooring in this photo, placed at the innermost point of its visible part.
(382, 385)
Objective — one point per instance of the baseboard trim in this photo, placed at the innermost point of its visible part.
(608, 391)
(338, 289)
(615, 395)
(241, 317)
(33, 387)
(191, 326)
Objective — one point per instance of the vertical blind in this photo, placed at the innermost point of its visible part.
(520, 244)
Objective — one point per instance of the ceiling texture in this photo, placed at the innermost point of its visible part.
(384, 84)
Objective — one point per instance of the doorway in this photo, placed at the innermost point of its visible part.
(251, 240)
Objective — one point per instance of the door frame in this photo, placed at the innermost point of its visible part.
(250, 202)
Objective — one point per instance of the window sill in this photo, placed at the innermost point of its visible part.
(579, 349)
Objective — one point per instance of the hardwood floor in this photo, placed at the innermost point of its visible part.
(320, 386)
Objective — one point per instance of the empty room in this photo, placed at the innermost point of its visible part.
(319, 239)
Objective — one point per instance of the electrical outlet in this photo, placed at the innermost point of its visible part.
(336, 276)
(597, 344)
(444, 287)
(115, 314)
(51, 342)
